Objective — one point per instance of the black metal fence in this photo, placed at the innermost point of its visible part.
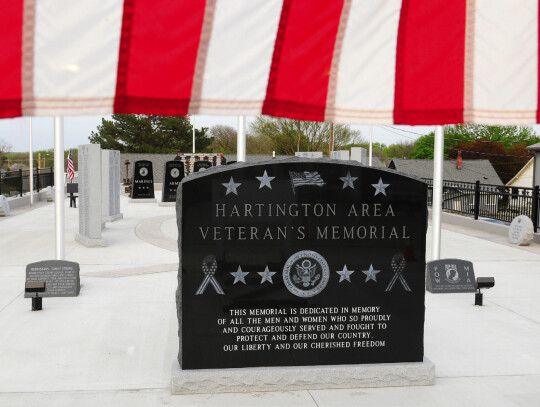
(498, 202)
(17, 183)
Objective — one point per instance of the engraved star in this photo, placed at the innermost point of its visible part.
(345, 274)
(371, 274)
(348, 180)
(239, 275)
(265, 180)
(266, 274)
(231, 186)
(380, 187)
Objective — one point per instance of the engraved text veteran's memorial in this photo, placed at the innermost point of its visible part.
(300, 262)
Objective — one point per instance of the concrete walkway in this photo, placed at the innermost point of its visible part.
(114, 344)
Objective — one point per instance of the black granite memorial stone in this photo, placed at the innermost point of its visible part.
(450, 276)
(143, 180)
(61, 278)
(300, 262)
(201, 165)
(174, 174)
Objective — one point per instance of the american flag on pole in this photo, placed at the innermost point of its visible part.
(303, 178)
(70, 171)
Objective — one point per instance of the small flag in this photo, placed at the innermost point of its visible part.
(70, 170)
(300, 179)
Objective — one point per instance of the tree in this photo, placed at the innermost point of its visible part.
(507, 136)
(5, 149)
(223, 139)
(149, 134)
(288, 136)
(399, 150)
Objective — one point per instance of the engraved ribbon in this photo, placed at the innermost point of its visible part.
(209, 268)
(398, 265)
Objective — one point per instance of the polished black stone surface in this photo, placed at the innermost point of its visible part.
(143, 180)
(174, 174)
(450, 276)
(300, 262)
(204, 165)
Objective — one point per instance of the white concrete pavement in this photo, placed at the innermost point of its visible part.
(115, 343)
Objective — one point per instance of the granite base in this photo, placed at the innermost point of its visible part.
(301, 378)
(143, 200)
(113, 218)
(90, 242)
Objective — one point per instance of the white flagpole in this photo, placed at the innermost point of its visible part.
(193, 126)
(31, 164)
(241, 139)
(370, 145)
(436, 208)
(59, 186)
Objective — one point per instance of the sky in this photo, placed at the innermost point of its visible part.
(78, 129)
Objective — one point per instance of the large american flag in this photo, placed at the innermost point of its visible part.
(70, 170)
(345, 61)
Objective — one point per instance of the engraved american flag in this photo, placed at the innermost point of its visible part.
(303, 178)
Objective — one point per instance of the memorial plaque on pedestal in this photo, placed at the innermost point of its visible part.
(61, 277)
(521, 231)
(174, 174)
(300, 262)
(201, 165)
(450, 276)
(143, 180)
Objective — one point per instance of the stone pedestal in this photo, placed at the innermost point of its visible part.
(90, 222)
(301, 378)
(4, 206)
(110, 181)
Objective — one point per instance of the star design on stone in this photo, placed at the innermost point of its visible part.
(239, 275)
(265, 180)
(266, 275)
(348, 180)
(231, 186)
(371, 273)
(380, 187)
(345, 274)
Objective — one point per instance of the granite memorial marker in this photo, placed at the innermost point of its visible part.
(110, 190)
(143, 180)
(339, 155)
(61, 277)
(359, 154)
(521, 231)
(174, 174)
(309, 154)
(450, 276)
(201, 165)
(300, 262)
(90, 222)
(4, 206)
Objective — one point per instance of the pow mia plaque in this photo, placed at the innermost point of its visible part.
(143, 180)
(174, 174)
(450, 276)
(201, 165)
(300, 262)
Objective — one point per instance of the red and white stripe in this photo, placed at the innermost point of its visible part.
(347, 61)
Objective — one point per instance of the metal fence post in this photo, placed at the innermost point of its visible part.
(535, 201)
(21, 182)
(51, 176)
(1, 183)
(37, 178)
(476, 200)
